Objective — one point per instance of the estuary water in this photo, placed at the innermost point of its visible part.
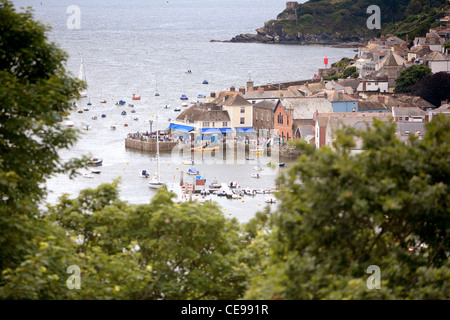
(144, 47)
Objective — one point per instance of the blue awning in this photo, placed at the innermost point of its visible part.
(210, 130)
(246, 130)
(226, 130)
(180, 127)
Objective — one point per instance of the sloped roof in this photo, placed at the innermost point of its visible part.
(204, 112)
(392, 59)
(408, 112)
(266, 104)
(305, 108)
(231, 99)
(435, 56)
(272, 94)
(365, 105)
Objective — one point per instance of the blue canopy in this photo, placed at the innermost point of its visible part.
(226, 130)
(193, 170)
(246, 130)
(180, 127)
(199, 178)
(210, 130)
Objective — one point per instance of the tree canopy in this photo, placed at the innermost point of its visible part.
(410, 76)
(342, 212)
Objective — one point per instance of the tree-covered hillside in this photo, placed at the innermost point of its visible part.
(330, 21)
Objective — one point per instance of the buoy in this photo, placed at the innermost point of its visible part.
(224, 209)
(230, 213)
(259, 204)
(243, 201)
(128, 163)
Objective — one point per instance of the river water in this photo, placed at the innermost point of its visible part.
(139, 46)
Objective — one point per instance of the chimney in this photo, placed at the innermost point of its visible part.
(250, 85)
(213, 94)
(232, 89)
(242, 89)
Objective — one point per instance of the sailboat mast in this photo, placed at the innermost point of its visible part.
(157, 148)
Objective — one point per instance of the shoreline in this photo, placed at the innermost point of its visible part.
(350, 45)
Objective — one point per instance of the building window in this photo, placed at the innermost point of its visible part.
(280, 118)
(400, 118)
(224, 124)
(287, 120)
(242, 109)
(406, 118)
(242, 120)
(205, 124)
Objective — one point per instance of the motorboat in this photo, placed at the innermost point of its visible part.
(89, 103)
(80, 111)
(258, 168)
(96, 171)
(135, 118)
(177, 109)
(120, 103)
(94, 162)
(215, 185)
(133, 111)
(189, 72)
(183, 97)
(192, 171)
(184, 104)
(188, 162)
(194, 101)
(86, 109)
(103, 115)
(102, 101)
(131, 105)
(145, 174)
(135, 97)
(124, 113)
(205, 82)
(94, 118)
(201, 96)
(256, 175)
(113, 127)
(282, 164)
(157, 94)
(166, 106)
(70, 124)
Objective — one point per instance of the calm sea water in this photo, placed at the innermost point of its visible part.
(138, 46)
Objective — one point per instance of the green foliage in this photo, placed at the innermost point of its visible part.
(346, 19)
(434, 88)
(342, 212)
(163, 250)
(410, 76)
(34, 89)
(349, 72)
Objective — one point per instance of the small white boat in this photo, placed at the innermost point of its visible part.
(184, 104)
(113, 127)
(94, 118)
(102, 101)
(135, 118)
(258, 168)
(145, 174)
(270, 200)
(96, 171)
(236, 196)
(177, 109)
(256, 175)
(86, 109)
(194, 101)
(133, 111)
(70, 124)
(188, 162)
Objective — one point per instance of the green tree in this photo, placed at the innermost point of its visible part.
(410, 76)
(34, 90)
(342, 212)
(163, 250)
(349, 72)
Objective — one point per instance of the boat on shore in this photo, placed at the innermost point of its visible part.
(95, 162)
(202, 149)
(192, 171)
